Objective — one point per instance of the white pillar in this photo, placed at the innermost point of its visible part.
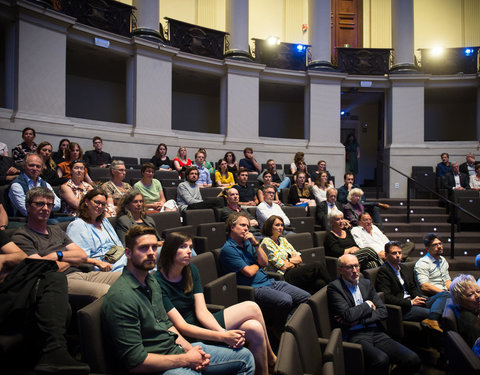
(147, 19)
(237, 27)
(402, 35)
(319, 33)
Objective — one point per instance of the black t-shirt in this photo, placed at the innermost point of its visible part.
(245, 193)
(4, 239)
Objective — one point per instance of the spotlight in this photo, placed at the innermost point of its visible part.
(342, 113)
(469, 51)
(273, 40)
(437, 51)
(300, 47)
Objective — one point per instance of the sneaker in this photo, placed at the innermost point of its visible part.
(432, 324)
(59, 361)
(384, 205)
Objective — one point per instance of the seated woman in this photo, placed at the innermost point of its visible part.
(301, 193)
(299, 157)
(115, 188)
(181, 161)
(59, 155)
(130, 212)
(474, 178)
(267, 180)
(74, 189)
(224, 178)
(161, 160)
(283, 259)
(320, 187)
(232, 163)
(322, 167)
(302, 167)
(73, 152)
(49, 171)
(93, 232)
(152, 191)
(185, 305)
(466, 296)
(340, 241)
(354, 208)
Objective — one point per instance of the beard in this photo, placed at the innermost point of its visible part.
(144, 265)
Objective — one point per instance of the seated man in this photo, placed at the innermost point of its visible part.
(188, 193)
(243, 255)
(279, 180)
(234, 207)
(399, 289)
(249, 162)
(42, 318)
(431, 274)
(97, 157)
(268, 207)
(468, 167)
(51, 243)
(444, 166)
(325, 207)
(29, 179)
(138, 332)
(356, 308)
(204, 180)
(246, 191)
(8, 170)
(455, 180)
(367, 234)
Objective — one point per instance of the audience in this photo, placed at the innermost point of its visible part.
(444, 166)
(95, 235)
(206, 163)
(204, 180)
(357, 309)
(302, 167)
(279, 180)
(51, 243)
(116, 187)
(246, 191)
(73, 152)
(322, 167)
(28, 146)
(97, 157)
(233, 206)
(468, 167)
(354, 208)
(339, 241)
(320, 187)
(185, 306)
(301, 193)
(160, 159)
(223, 177)
(283, 259)
(29, 179)
(475, 179)
(138, 332)
(181, 162)
(188, 193)
(268, 207)
(49, 171)
(299, 157)
(267, 180)
(131, 211)
(249, 162)
(231, 162)
(59, 155)
(74, 189)
(152, 191)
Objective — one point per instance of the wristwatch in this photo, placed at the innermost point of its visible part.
(59, 255)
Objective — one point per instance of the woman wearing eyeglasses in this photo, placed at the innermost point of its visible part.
(74, 189)
(93, 232)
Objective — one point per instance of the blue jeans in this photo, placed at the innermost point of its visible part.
(436, 304)
(223, 360)
(416, 314)
(284, 184)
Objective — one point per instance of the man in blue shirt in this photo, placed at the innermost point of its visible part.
(243, 255)
(204, 179)
(444, 167)
(249, 161)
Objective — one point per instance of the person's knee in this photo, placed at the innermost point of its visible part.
(380, 363)
(251, 309)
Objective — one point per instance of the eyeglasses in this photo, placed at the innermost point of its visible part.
(269, 192)
(42, 204)
(352, 266)
(99, 203)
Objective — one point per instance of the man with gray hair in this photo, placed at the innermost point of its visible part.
(456, 180)
(468, 167)
(325, 207)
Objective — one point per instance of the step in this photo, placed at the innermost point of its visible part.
(415, 227)
(413, 202)
(415, 209)
(417, 237)
(460, 250)
(415, 218)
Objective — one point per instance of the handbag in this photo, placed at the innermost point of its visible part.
(115, 252)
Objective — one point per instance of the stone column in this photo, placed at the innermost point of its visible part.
(402, 36)
(147, 20)
(237, 27)
(319, 34)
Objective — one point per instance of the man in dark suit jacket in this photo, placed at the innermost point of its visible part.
(468, 167)
(325, 207)
(399, 288)
(96, 157)
(456, 180)
(356, 308)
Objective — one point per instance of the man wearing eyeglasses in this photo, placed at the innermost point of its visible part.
(356, 308)
(29, 179)
(268, 207)
(50, 242)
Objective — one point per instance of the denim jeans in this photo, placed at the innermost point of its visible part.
(284, 184)
(436, 304)
(223, 360)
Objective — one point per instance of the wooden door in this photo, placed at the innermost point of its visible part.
(347, 30)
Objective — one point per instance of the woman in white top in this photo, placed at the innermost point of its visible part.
(475, 179)
(320, 187)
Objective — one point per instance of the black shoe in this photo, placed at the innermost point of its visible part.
(59, 361)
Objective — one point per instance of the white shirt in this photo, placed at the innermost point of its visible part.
(376, 240)
(264, 211)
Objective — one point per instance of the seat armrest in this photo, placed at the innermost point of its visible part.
(200, 244)
(395, 321)
(214, 308)
(245, 293)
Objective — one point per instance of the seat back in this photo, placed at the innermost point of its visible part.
(170, 192)
(303, 224)
(334, 352)
(461, 358)
(319, 237)
(302, 325)
(168, 182)
(91, 341)
(166, 220)
(314, 254)
(449, 320)
(215, 234)
(222, 291)
(288, 358)
(166, 175)
(294, 211)
(196, 217)
(207, 267)
(318, 302)
(97, 173)
(211, 192)
(300, 241)
(371, 274)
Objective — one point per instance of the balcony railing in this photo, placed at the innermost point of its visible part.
(369, 61)
(283, 55)
(449, 60)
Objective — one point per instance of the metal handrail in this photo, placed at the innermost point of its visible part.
(452, 204)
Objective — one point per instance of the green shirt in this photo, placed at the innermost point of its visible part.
(133, 325)
(151, 194)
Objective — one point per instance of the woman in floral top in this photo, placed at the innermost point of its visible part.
(285, 260)
(74, 189)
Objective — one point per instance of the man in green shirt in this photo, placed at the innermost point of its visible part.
(139, 332)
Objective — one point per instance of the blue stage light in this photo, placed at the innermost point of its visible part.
(300, 47)
(342, 113)
(469, 51)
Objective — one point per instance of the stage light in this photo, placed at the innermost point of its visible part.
(273, 40)
(342, 113)
(469, 51)
(300, 47)
(437, 51)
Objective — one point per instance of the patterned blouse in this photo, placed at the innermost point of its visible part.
(114, 191)
(20, 151)
(79, 192)
(277, 253)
